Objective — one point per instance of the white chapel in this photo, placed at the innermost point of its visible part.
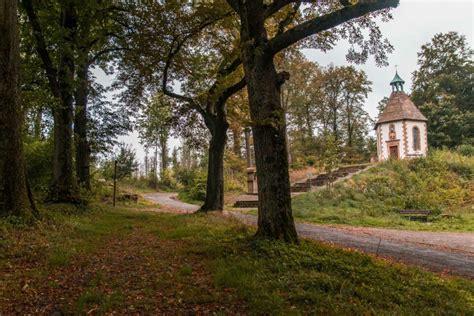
(401, 127)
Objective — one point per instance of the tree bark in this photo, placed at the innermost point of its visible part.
(83, 151)
(63, 188)
(237, 140)
(215, 168)
(164, 154)
(275, 219)
(15, 189)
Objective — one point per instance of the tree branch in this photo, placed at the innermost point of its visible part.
(222, 73)
(326, 22)
(164, 84)
(173, 52)
(104, 52)
(234, 4)
(276, 6)
(289, 18)
(230, 91)
(41, 48)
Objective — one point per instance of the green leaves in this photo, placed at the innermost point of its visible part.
(443, 89)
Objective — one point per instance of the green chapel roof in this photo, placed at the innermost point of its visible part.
(397, 79)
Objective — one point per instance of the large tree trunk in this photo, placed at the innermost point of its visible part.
(215, 169)
(275, 219)
(64, 187)
(83, 152)
(15, 192)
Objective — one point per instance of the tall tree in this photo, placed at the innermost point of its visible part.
(196, 47)
(61, 82)
(264, 84)
(97, 41)
(443, 89)
(349, 121)
(13, 171)
(154, 126)
(70, 37)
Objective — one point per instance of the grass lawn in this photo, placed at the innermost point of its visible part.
(127, 261)
(311, 208)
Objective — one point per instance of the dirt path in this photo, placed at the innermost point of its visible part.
(451, 253)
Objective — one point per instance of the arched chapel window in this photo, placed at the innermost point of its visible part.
(391, 132)
(416, 138)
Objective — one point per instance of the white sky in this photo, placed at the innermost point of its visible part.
(414, 23)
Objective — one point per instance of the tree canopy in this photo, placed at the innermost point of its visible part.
(443, 89)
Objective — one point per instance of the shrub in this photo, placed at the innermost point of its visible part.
(466, 150)
(39, 155)
(436, 183)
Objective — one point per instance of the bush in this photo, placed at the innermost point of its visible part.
(436, 183)
(167, 181)
(39, 160)
(311, 160)
(194, 184)
(197, 192)
(466, 150)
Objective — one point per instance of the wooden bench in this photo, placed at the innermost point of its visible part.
(422, 214)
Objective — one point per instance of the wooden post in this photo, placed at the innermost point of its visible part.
(309, 175)
(115, 181)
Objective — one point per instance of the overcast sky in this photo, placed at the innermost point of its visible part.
(414, 23)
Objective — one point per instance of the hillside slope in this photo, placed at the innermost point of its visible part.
(441, 183)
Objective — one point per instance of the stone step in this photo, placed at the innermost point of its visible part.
(295, 189)
(324, 178)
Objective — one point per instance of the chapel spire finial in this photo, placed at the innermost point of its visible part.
(397, 82)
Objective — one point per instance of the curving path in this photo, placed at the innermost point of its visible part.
(451, 253)
(170, 201)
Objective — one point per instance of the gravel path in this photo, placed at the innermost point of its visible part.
(170, 200)
(451, 253)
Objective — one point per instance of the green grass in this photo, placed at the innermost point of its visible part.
(310, 208)
(185, 196)
(442, 183)
(262, 277)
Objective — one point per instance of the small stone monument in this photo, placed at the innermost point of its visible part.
(252, 181)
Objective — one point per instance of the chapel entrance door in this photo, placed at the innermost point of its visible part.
(394, 152)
